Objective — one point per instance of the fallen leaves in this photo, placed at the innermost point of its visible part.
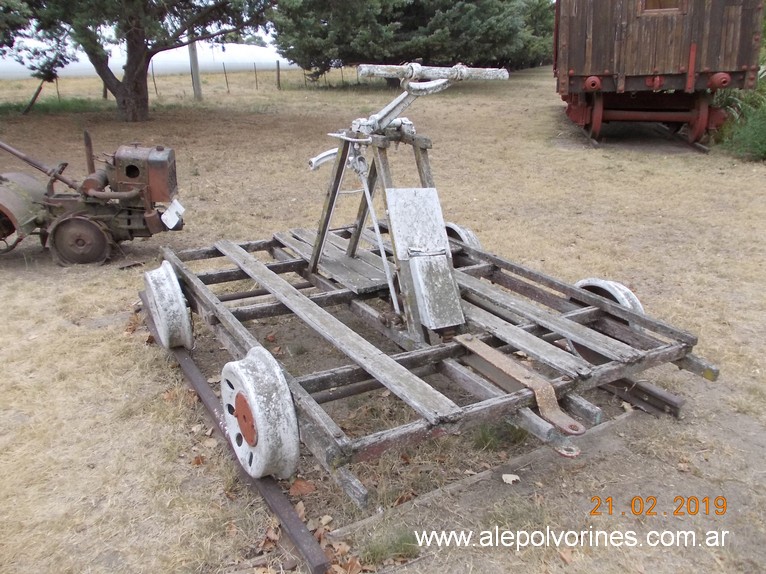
(510, 478)
(301, 487)
(566, 556)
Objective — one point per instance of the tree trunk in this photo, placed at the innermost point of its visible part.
(133, 95)
(34, 98)
(132, 92)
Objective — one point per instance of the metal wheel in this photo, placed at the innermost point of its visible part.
(613, 291)
(596, 116)
(698, 126)
(77, 239)
(464, 234)
(9, 237)
(167, 307)
(260, 416)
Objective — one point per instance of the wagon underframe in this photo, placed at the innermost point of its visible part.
(531, 318)
(414, 305)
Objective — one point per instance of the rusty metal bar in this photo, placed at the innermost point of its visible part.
(49, 171)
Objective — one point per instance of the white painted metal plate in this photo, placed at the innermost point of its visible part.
(420, 243)
(173, 214)
(436, 292)
(260, 381)
(416, 220)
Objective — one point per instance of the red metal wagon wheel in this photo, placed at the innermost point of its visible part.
(698, 126)
(596, 116)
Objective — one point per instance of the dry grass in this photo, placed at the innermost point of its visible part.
(99, 435)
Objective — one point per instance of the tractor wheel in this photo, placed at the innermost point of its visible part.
(79, 239)
(260, 417)
(167, 307)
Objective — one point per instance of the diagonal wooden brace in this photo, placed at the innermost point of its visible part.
(545, 395)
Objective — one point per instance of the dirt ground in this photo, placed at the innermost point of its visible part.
(105, 460)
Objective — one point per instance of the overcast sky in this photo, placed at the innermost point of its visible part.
(211, 58)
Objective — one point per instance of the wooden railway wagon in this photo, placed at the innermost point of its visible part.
(654, 60)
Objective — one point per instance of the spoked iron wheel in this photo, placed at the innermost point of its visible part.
(79, 239)
(596, 116)
(260, 417)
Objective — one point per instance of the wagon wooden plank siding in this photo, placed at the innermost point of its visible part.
(654, 60)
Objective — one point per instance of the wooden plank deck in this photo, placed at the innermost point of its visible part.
(588, 337)
(424, 399)
(334, 267)
(564, 362)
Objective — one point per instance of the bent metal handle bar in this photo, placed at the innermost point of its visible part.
(435, 79)
(416, 72)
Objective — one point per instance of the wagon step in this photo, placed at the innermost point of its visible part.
(544, 393)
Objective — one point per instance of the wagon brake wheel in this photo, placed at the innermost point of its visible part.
(79, 239)
(464, 234)
(613, 291)
(596, 116)
(259, 414)
(167, 307)
(698, 126)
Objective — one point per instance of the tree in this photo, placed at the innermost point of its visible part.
(14, 17)
(320, 34)
(145, 28)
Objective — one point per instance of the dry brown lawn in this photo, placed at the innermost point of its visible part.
(99, 436)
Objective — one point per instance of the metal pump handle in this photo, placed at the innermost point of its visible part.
(415, 71)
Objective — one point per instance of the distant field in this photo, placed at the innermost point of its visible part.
(173, 89)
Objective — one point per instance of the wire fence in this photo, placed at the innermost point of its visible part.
(236, 80)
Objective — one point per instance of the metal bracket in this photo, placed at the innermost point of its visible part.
(547, 403)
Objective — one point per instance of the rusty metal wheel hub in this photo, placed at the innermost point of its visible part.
(78, 239)
(245, 419)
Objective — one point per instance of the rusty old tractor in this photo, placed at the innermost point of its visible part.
(84, 227)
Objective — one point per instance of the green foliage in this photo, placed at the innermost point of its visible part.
(745, 131)
(143, 27)
(319, 35)
(14, 16)
(748, 139)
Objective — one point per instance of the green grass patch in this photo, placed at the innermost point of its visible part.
(748, 138)
(494, 437)
(55, 106)
(400, 544)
